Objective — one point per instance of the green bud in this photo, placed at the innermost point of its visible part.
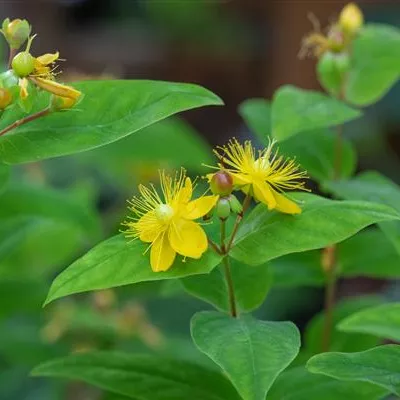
(235, 204)
(16, 32)
(332, 69)
(223, 208)
(23, 64)
(221, 183)
(5, 98)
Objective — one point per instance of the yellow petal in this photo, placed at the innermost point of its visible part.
(185, 193)
(188, 238)
(162, 255)
(285, 205)
(148, 227)
(56, 88)
(200, 207)
(263, 193)
(240, 179)
(48, 58)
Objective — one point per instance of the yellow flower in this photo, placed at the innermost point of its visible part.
(351, 18)
(263, 174)
(167, 221)
(43, 65)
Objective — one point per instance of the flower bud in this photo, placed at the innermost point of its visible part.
(221, 183)
(16, 32)
(23, 64)
(331, 70)
(223, 208)
(5, 98)
(351, 18)
(236, 206)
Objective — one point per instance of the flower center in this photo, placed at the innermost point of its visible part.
(164, 213)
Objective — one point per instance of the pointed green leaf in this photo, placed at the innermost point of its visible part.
(265, 235)
(375, 64)
(380, 366)
(109, 111)
(296, 110)
(382, 321)
(144, 377)
(299, 384)
(252, 353)
(251, 286)
(117, 262)
(341, 341)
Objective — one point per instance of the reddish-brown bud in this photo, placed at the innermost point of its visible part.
(221, 183)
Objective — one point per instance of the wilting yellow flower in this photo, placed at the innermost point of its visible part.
(351, 18)
(263, 174)
(23, 88)
(167, 220)
(43, 65)
(56, 88)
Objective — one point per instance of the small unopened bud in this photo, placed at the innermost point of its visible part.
(351, 18)
(221, 183)
(223, 208)
(5, 98)
(59, 103)
(332, 69)
(16, 32)
(23, 64)
(236, 207)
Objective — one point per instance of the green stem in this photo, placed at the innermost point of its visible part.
(13, 53)
(25, 120)
(246, 204)
(231, 289)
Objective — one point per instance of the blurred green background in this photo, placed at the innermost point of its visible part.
(239, 50)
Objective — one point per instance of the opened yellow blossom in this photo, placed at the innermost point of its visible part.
(167, 220)
(262, 174)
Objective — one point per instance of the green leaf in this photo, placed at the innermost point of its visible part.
(382, 321)
(4, 175)
(375, 64)
(299, 269)
(315, 152)
(296, 110)
(266, 235)
(143, 377)
(379, 366)
(147, 150)
(368, 253)
(252, 353)
(109, 111)
(117, 262)
(257, 115)
(341, 341)
(251, 286)
(374, 187)
(299, 384)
